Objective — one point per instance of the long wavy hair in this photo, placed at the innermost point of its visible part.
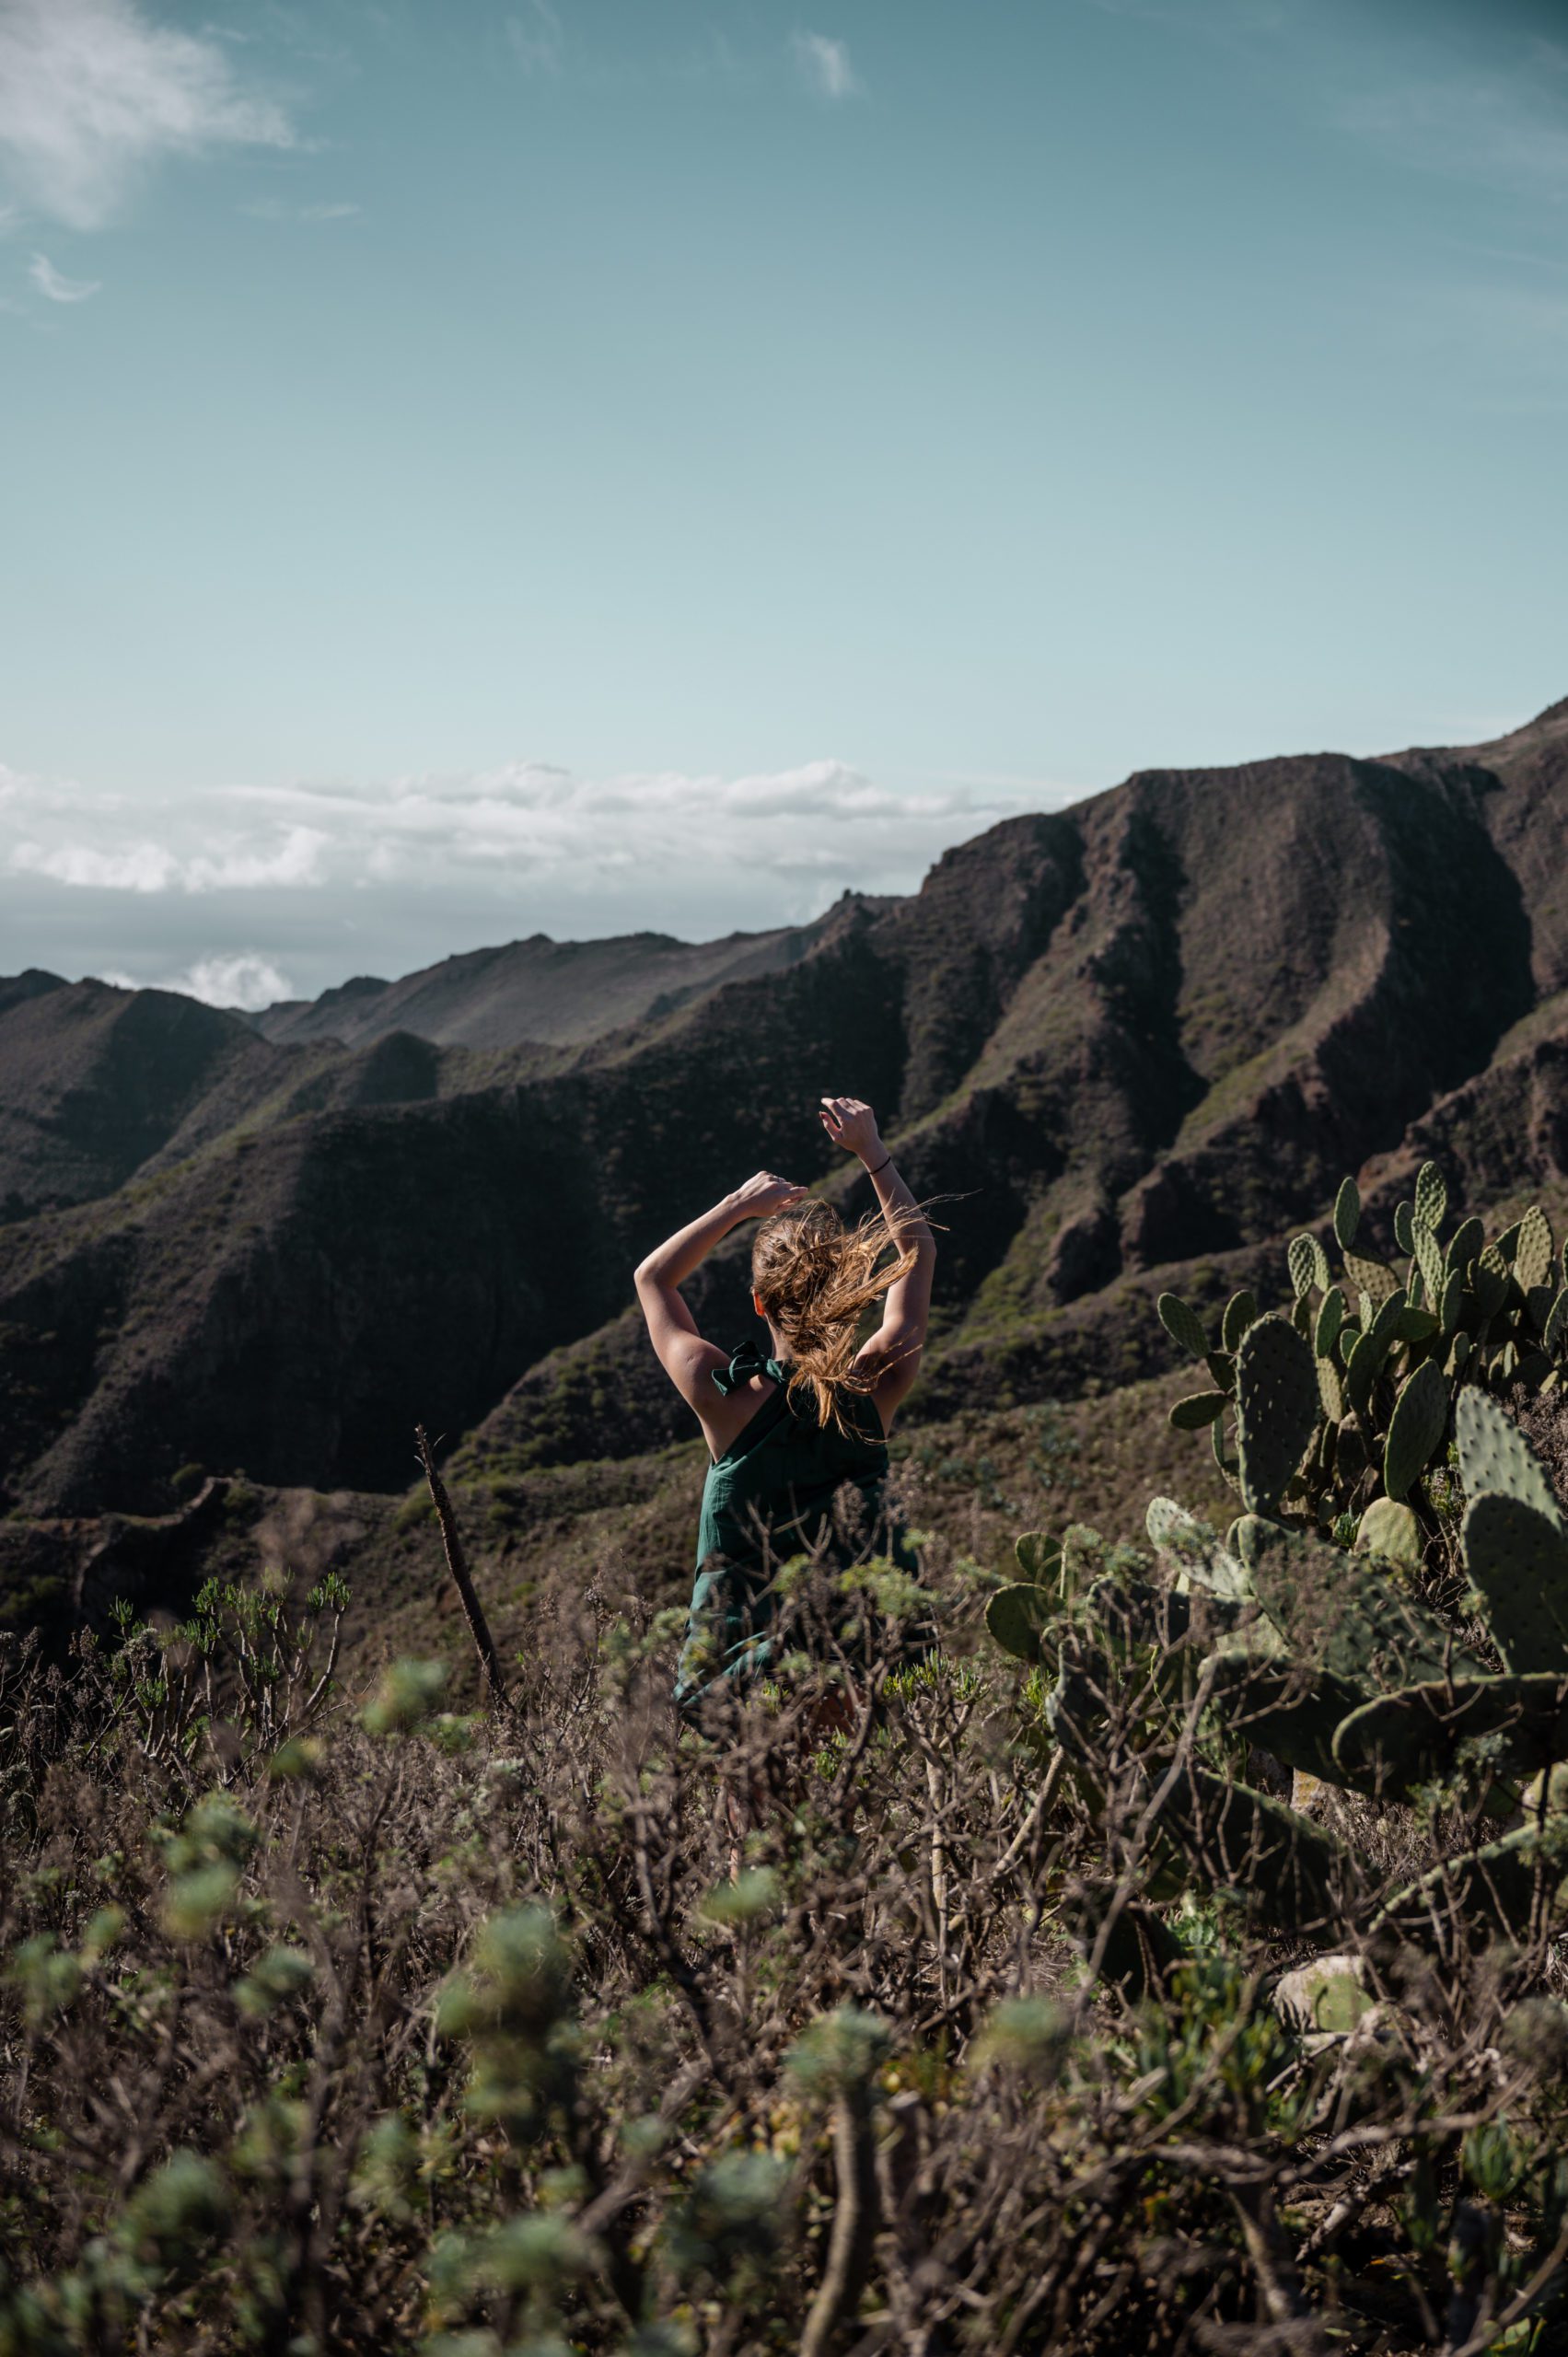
(814, 1278)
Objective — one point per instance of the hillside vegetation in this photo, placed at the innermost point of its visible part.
(1170, 1957)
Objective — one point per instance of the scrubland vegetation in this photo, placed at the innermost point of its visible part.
(1169, 1961)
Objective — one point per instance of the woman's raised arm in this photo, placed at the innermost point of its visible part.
(686, 1358)
(897, 1342)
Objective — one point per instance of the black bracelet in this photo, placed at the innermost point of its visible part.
(880, 1166)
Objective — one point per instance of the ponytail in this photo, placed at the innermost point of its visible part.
(814, 1277)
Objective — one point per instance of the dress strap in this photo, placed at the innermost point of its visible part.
(745, 1362)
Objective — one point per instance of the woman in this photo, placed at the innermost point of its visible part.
(790, 1432)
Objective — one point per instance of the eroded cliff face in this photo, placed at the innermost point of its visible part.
(1154, 1028)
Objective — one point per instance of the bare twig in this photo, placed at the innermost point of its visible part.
(457, 1563)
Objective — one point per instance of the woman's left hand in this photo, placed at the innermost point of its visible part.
(766, 1193)
(851, 1122)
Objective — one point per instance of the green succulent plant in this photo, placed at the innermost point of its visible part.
(1328, 1656)
(1349, 1394)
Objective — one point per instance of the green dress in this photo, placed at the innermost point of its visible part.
(774, 1494)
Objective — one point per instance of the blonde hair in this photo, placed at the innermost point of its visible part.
(814, 1277)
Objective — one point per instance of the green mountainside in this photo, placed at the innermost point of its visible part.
(1128, 1045)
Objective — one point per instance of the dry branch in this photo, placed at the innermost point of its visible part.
(457, 1563)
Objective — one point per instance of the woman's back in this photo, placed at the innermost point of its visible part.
(789, 1485)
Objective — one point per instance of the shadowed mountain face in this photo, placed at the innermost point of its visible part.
(1153, 1029)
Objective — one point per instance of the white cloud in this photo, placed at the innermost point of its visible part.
(324, 879)
(825, 64)
(524, 826)
(139, 867)
(56, 285)
(247, 981)
(536, 38)
(536, 822)
(92, 93)
(143, 866)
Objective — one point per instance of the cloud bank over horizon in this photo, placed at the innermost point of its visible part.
(250, 893)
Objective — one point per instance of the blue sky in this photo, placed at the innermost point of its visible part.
(470, 469)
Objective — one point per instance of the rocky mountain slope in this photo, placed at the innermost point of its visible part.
(561, 993)
(1150, 1030)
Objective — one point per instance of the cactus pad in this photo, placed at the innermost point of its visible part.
(1365, 1363)
(1489, 1281)
(1287, 1869)
(1017, 1616)
(1347, 1213)
(1192, 1551)
(1494, 1888)
(1197, 1410)
(1331, 1391)
(1132, 1618)
(1416, 1426)
(1289, 1710)
(1495, 1455)
(1330, 1317)
(1345, 1613)
(1374, 1280)
(1276, 1388)
(1464, 1244)
(1518, 1560)
(1040, 1558)
(1429, 1260)
(1240, 1312)
(1398, 1741)
(1431, 1195)
(1391, 1531)
(1535, 1251)
(1554, 1335)
(1183, 1325)
(1163, 1517)
(1307, 1264)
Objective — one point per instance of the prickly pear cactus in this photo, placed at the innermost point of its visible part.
(1276, 1391)
(1517, 1560)
(1283, 1868)
(1184, 1326)
(1191, 1554)
(1198, 1409)
(1470, 1317)
(1534, 1253)
(1391, 1531)
(1503, 1887)
(1416, 1426)
(1273, 1700)
(1039, 1557)
(1345, 1613)
(1309, 1266)
(1017, 1618)
(1347, 1213)
(1240, 1313)
(1495, 1455)
(1429, 1260)
(1513, 1727)
(1431, 1196)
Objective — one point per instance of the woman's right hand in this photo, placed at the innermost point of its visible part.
(764, 1194)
